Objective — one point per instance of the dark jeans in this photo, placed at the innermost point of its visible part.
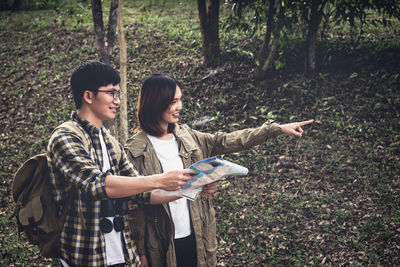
(185, 251)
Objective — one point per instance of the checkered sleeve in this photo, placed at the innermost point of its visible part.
(76, 165)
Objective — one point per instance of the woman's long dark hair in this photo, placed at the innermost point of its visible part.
(155, 96)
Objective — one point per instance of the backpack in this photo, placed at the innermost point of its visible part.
(36, 211)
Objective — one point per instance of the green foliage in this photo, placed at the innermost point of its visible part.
(295, 20)
(45, 4)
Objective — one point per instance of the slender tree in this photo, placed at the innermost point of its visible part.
(123, 119)
(105, 41)
(270, 6)
(209, 25)
(270, 48)
(276, 18)
(312, 16)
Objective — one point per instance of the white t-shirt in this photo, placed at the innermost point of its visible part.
(168, 154)
(114, 249)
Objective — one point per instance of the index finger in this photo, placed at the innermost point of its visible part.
(190, 171)
(305, 122)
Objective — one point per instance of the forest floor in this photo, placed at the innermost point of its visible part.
(330, 198)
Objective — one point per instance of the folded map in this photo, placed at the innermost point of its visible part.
(208, 170)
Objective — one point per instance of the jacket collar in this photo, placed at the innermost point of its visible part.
(184, 138)
(143, 144)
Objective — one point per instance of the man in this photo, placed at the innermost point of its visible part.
(96, 174)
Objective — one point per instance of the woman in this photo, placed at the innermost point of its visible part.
(182, 232)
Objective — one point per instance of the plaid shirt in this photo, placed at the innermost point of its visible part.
(77, 171)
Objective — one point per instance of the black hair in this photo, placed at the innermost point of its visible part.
(155, 96)
(90, 76)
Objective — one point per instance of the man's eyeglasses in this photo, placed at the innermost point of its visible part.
(116, 94)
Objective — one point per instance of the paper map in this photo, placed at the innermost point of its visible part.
(208, 170)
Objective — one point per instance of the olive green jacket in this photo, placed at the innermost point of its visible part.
(152, 225)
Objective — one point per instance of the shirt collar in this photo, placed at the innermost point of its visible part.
(87, 126)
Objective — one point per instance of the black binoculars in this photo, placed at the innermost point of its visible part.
(113, 208)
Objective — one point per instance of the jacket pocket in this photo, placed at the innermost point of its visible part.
(137, 225)
(158, 232)
(155, 243)
(209, 228)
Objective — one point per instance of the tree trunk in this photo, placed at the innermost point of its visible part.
(310, 68)
(209, 18)
(123, 117)
(310, 64)
(268, 58)
(112, 26)
(97, 13)
(267, 37)
(104, 47)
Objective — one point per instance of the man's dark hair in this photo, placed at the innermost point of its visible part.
(155, 96)
(90, 76)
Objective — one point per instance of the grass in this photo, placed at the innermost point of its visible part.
(330, 198)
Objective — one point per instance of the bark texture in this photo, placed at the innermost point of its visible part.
(209, 18)
(123, 119)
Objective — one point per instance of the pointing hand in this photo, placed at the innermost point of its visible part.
(294, 128)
